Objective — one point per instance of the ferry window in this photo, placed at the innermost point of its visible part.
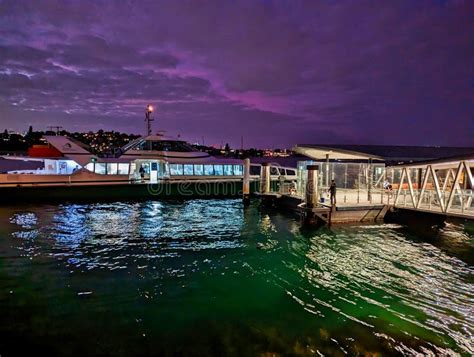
(218, 170)
(144, 145)
(199, 170)
(188, 170)
(238, 170)
(90, 166)
(290, 172)
(99, 168)
(228, 170)
(164, 145)
(255, 170)
(123, 169)
(208, 170)
(282, 171)
(273, 171)
(112, 169)
(62, 167)
(132, 168)
(176, 169)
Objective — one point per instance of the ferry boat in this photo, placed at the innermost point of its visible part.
(151, 166)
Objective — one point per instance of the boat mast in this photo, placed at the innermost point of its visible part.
(148, 118)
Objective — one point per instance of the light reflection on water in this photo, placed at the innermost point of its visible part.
(330, 291)
(412, 277)
(106, 235)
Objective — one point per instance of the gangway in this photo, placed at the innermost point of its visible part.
(442, 186)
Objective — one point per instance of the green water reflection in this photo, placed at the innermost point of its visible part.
(206, 277)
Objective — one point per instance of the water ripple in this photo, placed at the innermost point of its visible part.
(350, 284)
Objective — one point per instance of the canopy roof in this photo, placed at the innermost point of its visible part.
(440, 164)
(391, 154)
(319, 153)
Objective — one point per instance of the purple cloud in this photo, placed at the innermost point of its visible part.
(276, 72)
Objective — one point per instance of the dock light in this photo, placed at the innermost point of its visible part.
(150, 108)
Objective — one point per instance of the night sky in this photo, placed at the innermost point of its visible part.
(276, 72)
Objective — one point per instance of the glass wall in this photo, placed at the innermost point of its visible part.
(350, 175)
(113, 168)
(109, 168)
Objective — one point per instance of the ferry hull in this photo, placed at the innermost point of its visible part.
(126, 191)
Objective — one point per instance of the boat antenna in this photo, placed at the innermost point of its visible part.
(148, 118)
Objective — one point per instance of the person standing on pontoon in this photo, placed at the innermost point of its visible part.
(332, 191)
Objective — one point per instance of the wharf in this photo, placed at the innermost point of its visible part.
(347, 212)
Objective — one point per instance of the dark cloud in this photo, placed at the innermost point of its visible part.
(276, 72)
(22, 54)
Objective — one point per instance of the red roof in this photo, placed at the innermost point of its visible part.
(43, 151)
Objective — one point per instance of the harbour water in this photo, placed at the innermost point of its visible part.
(208, 277)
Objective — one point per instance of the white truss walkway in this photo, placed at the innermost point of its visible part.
(444, 187)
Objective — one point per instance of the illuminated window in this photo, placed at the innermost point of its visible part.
(188, 170)
(176, 169)
(218, 170)
(208, 170)
(228, 170)
(112, 169)
(99, 168)
(238, 170)
(123, 169)
(199, 170)
(90, 166)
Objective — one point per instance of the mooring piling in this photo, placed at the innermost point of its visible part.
(246, 183)
(311, 212)
(311, 195)
(265, 178)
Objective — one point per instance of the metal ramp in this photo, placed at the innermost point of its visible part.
(444, 187)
